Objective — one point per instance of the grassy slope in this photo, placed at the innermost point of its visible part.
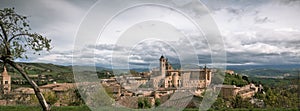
(39, 68)
(85, 108)
(37, 108)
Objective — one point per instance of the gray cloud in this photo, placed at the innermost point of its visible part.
(56, 19)
(289, 2)
(262, 20)
(253, 33)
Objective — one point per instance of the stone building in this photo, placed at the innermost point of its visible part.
(230, 72)
(230, 91)
(168, 77)
(5, 82)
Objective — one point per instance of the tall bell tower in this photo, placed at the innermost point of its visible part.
(162, 69)
(5, 81)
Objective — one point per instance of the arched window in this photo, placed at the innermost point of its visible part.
(208, 76)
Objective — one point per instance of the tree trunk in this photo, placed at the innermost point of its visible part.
(35, 87)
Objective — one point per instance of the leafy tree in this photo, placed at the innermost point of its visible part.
(239, 102)
(50, 97)
(147, 103)
(78, 101)
(134, 73)
(235, 80)
(219, 103)
(157, 102)
(16, 40)
(141, 103)
(245, 78)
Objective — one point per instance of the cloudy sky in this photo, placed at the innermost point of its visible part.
(254, 32)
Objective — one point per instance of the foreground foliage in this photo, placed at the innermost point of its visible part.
(15, 40)
(36, 108)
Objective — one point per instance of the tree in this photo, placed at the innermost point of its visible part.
(219, 103)
(141, 103)
(50, 97)
(147, 103)
(16, 40)
(157, 102)
(144, 103)
(237, 101)
(134, 73)
(245, 78)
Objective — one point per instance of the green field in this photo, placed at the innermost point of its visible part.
(37, 108)
(85, 108)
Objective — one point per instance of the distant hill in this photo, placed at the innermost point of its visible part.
(48, 68)
(266, 70)
(251, 67)
(40, 68)
(250, 70)
(58, 73)
(64, 72)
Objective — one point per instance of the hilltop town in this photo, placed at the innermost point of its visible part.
(172, 87)
(163, 86)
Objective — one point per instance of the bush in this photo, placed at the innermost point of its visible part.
(50, 97)
(157, 102)
(143, 103)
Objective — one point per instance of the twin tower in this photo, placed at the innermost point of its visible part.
(164, 65)
(185, 78)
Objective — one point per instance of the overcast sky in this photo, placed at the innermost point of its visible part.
(254, 32)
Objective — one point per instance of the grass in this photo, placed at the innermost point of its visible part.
(37, 108)
(244, 109)
(85, 108)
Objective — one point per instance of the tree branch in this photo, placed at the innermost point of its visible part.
(3, 31)
(7, 51)
(18, 36)
(35, 87)
(1, 36)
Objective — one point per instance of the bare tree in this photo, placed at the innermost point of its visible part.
(16, 40)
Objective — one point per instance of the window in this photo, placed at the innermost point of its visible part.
(6, 82)
(208, 76)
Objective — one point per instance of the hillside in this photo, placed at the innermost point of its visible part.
(39, 68)
(44, 73)
(267, 70)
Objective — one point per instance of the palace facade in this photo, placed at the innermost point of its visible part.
(167, 77)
